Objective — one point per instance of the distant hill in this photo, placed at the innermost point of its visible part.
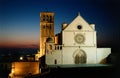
(17, 51)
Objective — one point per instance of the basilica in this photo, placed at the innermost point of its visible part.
(75, 44)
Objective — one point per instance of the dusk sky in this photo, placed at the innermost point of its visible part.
(20, 19)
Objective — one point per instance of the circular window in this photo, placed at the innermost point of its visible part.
(79, 27)
(79, 38)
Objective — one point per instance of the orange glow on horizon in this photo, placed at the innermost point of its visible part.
(18, 45)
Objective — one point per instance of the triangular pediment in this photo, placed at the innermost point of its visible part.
(79, 21)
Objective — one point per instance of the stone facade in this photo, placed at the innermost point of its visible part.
(78, 45)
(46, 31)
(23, 69)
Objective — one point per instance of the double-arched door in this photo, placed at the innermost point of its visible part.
(79, 57)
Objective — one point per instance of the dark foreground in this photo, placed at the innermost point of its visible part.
(81, 72)
(78, 72)
(4, 74)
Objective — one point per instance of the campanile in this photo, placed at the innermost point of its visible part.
(46, 29)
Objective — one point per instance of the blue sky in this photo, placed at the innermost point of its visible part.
(19, 19)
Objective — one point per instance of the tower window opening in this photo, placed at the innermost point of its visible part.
(50, 18)
(50, 27)
(47, 18)
(47, 27)
(43, 26)
(43, 19)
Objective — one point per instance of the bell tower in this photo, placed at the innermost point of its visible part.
(46, 29)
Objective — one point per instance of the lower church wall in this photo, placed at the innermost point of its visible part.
(67, 55)
(70, 52)
(102, 54)
(54, 57)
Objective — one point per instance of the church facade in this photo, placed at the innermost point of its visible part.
(76, 44)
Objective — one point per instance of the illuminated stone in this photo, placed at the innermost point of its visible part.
(22, 69)
(85, 44)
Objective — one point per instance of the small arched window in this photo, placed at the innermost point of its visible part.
(50, 47)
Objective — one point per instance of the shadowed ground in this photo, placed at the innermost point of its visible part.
(80, 71)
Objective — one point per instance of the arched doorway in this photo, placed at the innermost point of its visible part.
(79, 57)
(55, 61)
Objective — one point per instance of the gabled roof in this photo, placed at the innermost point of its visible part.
(79, 21)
